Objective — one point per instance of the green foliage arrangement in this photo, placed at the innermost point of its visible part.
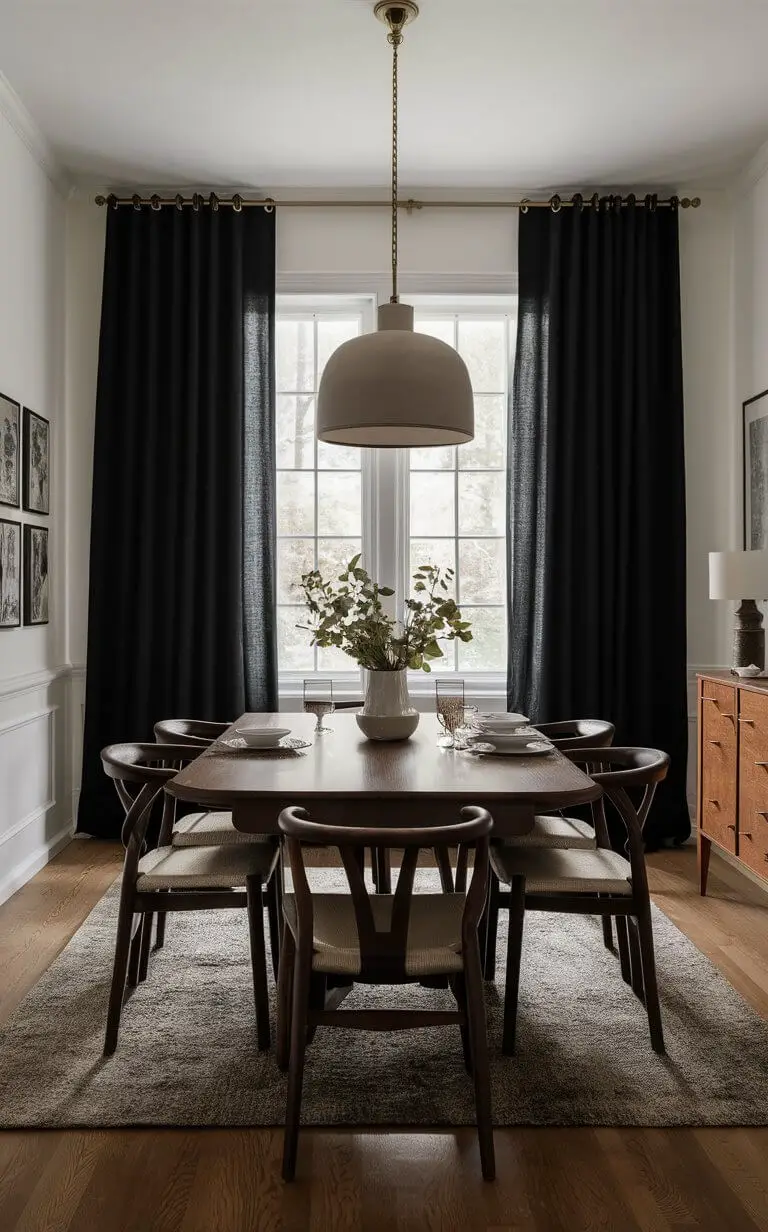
(348, 613)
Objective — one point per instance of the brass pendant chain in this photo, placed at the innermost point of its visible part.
(395, 38)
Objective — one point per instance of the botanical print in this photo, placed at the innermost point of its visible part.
(9, 451)
(757, 526)
(35, 575)
(36, 462)
(10, 574)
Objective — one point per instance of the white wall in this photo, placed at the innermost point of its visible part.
(35, 771)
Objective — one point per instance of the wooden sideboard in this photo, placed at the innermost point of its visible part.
(733, 771)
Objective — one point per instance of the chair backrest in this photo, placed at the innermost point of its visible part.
(621, 771)
(383, 951)
(140, 773)
(188, 731)
(578, 733)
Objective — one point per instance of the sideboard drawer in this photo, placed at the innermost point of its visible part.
(717, 814)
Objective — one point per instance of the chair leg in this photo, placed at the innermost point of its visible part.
(514, 954)
(160, 933)
(607, 932)
(622, 941)
(458, 985)
(135, 953)
(119, 972)
(146, 941)
(635, 960)
(284, 1000)
(652, 1006)
(494, 899)
(478, 1045)
(381, 867)
(702, 856)
(301, 975)
(274, 899)
(253, 888)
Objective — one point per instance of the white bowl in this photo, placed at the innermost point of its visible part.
(262, 737)
(501, 722)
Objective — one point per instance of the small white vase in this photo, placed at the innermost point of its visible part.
(387, 713)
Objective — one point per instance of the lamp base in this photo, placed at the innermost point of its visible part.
(748, 636)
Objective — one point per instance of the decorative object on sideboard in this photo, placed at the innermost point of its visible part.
(347, 613)
(10, 574)
(10, 424)
(395, 388)
(734, 575)
(755, 506)
(36, 463)
(36, 584)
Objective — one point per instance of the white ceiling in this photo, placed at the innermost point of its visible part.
(494, 93)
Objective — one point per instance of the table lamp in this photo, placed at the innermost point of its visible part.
(732, 575)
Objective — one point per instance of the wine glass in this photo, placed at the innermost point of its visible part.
(318, 700)
(449, 703)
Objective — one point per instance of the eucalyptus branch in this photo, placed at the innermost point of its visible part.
(348, 613)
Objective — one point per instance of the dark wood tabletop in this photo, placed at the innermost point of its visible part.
(342, 777)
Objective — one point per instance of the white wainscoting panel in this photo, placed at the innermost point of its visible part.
(35, 769)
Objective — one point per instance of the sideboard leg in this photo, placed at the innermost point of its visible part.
(703, 850)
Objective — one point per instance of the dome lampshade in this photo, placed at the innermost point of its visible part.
(395, 389)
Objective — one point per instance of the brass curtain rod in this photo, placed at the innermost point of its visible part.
(554, 203)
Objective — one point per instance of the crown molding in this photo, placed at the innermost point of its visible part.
(750, 175)
(33, 137)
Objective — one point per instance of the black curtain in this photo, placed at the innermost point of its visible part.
(596, 483)
(181, 604)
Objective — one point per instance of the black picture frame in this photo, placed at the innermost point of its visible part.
(36, 463)
(755, 471)
(36, 575)
(10, 451)
(8, 590)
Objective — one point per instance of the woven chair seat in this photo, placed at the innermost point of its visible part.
(552, 871)
(434, 932)
(561, 833)
(210, 829)
(201, 868)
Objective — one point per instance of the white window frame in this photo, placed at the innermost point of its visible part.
(385, 478)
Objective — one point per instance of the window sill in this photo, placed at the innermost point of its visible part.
(483, 689)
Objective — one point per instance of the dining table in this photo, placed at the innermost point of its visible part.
(342, 777)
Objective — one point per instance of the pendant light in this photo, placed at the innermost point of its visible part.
(395, 388)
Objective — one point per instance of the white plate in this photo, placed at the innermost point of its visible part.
(501, 722)
(236, 744)
(537, 748)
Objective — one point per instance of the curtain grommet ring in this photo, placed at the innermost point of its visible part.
(595, 201)
(269, 205)
(112, 201)
(213, 202)
(197, 201)
(154, 202)
(237, 203)
(577, 201)
(674, 202)
(136, 200)
(524, 205)
(179, 202)
(631, 199)
(555, 204)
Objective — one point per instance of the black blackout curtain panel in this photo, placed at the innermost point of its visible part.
(181, 605)
(596, 485)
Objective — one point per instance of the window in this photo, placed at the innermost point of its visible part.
(401, 508)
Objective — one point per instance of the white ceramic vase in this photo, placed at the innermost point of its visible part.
(387, 713)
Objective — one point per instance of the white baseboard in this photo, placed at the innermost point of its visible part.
(36, 860)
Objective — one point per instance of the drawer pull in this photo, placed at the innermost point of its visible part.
(745, 833)
(761, 763)
(762, 812)
(750, 721)
(717, 742)
(730, 826)
(715, 802)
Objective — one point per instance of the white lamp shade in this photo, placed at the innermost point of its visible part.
(395, 389)
(738, 575)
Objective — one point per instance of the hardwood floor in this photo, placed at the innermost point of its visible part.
(619, 1180)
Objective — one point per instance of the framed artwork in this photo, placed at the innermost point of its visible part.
(755, 413)
(36, 463)
(35, 575)
(10, 423)
(10, 574)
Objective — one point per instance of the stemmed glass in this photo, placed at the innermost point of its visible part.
(318, 700)
(449, 703)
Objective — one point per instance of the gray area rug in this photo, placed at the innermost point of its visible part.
(187, 1055)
